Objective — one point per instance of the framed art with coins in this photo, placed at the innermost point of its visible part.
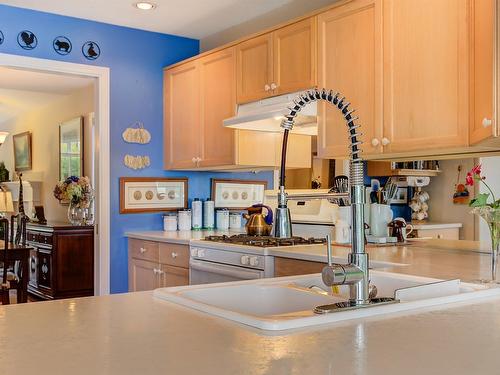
(152, 194)
(237, 194)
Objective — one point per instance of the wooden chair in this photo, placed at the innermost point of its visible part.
(11, 276)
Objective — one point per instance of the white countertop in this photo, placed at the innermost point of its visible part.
(136, 334)
(181, 237)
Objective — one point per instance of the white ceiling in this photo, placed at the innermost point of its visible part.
(22, 91)
(192, 18)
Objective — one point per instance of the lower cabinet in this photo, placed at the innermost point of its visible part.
(294, 267)
(157, 265)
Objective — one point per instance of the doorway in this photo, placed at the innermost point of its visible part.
(100, 168)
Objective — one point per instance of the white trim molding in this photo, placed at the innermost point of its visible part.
(102, 167)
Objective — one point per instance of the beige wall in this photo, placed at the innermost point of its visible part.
(44, 123)
(441, 189)
(293, 9)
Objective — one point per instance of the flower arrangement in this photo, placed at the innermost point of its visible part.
(486, 206)
(76, 190)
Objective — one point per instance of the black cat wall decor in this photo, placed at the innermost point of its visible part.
(1, 37)
(91, 50)
(27, 40)
(62, 45)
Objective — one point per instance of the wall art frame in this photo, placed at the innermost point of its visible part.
(152, 194)
(237, 194)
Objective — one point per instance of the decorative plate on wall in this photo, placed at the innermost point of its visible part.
(91, 50)
(152, 194)
(27, 40)
(62, 45)
(1, 37)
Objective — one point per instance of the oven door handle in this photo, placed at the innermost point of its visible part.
(222, 269)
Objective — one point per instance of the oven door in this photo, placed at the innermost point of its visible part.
(204, 272)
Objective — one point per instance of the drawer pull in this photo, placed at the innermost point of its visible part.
(175, 255)
(143, 250)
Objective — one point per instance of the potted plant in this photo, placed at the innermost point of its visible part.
(487, 207)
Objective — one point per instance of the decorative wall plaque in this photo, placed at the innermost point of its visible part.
(91, 50)
(62, 45)
(27, 40)
(152, 194)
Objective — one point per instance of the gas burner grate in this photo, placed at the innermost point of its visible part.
(263, 241)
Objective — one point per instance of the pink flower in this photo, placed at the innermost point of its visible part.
(469, 180)
(476, 170)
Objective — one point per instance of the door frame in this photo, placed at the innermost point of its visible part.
(102, 124)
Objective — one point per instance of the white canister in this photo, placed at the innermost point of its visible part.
(380, 216)
(197, 214)
(222, 218)
(184, 219)
(235, 220)
(342, 232)
(170, 222)
(208, 214)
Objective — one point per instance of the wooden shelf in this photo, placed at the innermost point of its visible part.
(381, 169)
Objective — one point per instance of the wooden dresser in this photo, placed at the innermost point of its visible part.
(61, 264)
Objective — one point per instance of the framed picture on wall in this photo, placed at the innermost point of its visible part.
(22, 151)
(237, 194)
(152, 194)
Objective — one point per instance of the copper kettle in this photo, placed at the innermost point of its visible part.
(259, 224)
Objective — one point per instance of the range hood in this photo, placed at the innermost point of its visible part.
(266, 115)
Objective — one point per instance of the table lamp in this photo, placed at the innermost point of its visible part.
(6, 203)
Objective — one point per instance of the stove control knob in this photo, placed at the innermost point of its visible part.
(201, 253)
(245, 259)
(194, 252)
(254, 261)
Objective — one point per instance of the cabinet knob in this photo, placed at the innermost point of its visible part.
(385, 141)
(273, 86)
(487, 122)
(174, 255)
(267, 87)
(142, 250)
(375, 142)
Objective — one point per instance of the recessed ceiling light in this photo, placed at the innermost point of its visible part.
(143, 5)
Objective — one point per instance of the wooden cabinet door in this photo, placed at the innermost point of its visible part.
(173, 276)
(299, 151)
(181, 133)
(294, 57)
(254, 68)
(482, 123)
(218, 102)
(426, 83)
(143, 275)
(349, 62)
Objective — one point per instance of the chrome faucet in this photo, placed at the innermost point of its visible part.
(355, 274)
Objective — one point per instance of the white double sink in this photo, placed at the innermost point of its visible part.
(288, 302)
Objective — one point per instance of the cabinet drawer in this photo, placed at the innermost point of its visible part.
(174, 255)
(173, 276)
(40, 238)
(147, 250)
(441, 234)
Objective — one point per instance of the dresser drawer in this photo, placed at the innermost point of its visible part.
(147, 250)
(174, 255)
(39, 237)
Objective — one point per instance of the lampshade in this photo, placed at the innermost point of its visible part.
(3, 135)
(6, 204)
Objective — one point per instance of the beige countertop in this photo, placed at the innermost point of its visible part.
(136, 334)
(181, 237)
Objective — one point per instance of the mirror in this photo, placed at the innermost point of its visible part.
(71, 148)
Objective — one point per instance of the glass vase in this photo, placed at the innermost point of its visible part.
(492, 218)
(76, 214)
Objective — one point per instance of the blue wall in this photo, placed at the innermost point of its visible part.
(136, 59)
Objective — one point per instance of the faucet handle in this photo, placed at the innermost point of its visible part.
(329, 249)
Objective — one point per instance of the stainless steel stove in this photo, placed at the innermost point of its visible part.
(239, 257)
(265, 241)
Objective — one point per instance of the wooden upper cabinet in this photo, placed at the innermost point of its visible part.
(294, 54)
(218, 102)
(254, 68)
(349, 62)
(483, 125)
(181, 116)
(426, 74)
